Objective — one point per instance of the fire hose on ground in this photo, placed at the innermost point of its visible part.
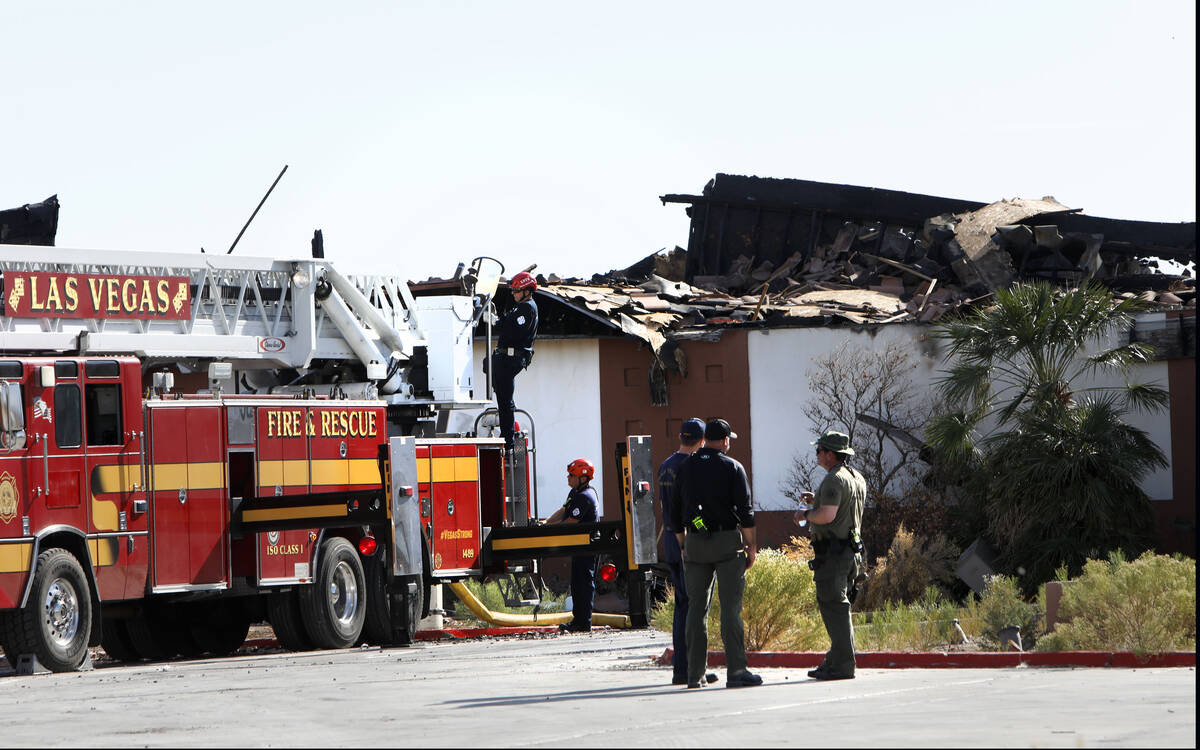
(480, 610)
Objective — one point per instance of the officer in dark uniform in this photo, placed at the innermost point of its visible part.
(712, 503)
(691, 436)
(514, 350)
(581, 507)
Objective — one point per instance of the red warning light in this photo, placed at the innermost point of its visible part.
(608, 572)
(367, 546)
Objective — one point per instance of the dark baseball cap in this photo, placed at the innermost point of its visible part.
(718, 429)
(693, 429)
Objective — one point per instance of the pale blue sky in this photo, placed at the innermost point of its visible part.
(421, 134)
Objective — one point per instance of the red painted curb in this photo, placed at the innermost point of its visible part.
(961, 659)
(1170, 659)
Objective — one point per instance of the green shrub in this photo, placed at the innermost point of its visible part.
(1144, 606)
(1002, 606)
(924, 625)
(779, 608)
(912, 564)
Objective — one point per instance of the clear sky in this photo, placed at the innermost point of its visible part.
(420, 134)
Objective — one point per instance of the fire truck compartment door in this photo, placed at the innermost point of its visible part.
(406, 510)
(190, 515)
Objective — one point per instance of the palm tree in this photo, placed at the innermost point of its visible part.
(1047, 457)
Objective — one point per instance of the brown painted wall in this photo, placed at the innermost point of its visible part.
(1177, 517)
(717, 385)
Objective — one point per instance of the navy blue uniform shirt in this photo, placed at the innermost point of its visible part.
(713, 486)
(666, 493)
(518, 327)
(581, 505)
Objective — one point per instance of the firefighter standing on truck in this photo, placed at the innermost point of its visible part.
(580, 507)
(836, 518)
(514, 350)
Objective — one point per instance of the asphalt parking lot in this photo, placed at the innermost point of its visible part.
(581, 691)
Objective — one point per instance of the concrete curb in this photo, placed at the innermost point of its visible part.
(964, 659)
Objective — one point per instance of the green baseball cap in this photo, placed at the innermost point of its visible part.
(838, 442)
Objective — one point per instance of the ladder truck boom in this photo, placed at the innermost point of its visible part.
(258, 314)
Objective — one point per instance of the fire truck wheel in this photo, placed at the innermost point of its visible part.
(335, 605)
(57, 622)
(115, 641)
(222, 632)
(283, 612)
(8, 625)
(414, 604)
(149, 639)
(377, 628)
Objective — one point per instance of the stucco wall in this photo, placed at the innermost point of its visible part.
(561, 390)
(779, 364)
(780, 361)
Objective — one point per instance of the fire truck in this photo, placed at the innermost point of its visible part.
(191, 443)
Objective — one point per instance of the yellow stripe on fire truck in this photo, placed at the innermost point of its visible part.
(14, 558)
(104, 550)
(307, 511)
(201, 475)
(17, 558)
(325, 472)
(448, 469)
(566, 540)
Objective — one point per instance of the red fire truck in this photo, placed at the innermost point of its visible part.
(304, 477)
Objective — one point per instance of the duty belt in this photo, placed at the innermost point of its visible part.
(714, 529)
(511, 351)
(831, 546)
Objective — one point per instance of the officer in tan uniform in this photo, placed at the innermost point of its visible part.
(836, 516)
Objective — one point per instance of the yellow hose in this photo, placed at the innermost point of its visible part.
(480, 610)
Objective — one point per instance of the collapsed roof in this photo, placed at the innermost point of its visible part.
(770, 252)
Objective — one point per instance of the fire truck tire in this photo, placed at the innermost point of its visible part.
(7, 626)
(377, 628)
(149, 638)
(222, 632)
(283, 612)
(115, 641)
(414, 604)
(335, 605)
(56, 623)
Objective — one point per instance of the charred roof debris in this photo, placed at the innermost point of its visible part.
(766, 252)
(31, 224)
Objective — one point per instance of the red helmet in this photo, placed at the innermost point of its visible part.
(522, 281)
(581, 467)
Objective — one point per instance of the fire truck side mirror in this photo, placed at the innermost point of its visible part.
(47, 374)
(12, 417)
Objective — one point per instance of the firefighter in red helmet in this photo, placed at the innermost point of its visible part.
(581, 507)
(514, 350)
